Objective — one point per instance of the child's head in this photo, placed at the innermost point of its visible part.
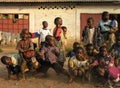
(79, 52)
(64, 28)
(76, 45)
(90, 22)
(58, 21)
(49, 40)
(90, 49)
(24, 33)
(45, 24)
(113, 17)
(103, 51)
(6, 60)
(105, 16)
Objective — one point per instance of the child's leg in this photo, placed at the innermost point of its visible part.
(58, 68)
(17, 71)
(9, 71)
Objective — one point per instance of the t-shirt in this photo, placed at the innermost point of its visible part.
(43, 33)
(104, 25)
(16, 60)
(91, 35)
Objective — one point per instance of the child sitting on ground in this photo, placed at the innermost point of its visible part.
(12, 63)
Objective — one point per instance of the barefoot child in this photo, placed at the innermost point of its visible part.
(12, 63)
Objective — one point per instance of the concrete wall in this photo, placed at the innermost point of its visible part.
(71, 17)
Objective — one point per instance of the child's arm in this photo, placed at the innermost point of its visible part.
(9, 71)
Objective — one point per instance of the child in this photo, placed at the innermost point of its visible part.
(91, 53)
(75, 46)
(49, 55)
(115, 50)
(114, 28)
(102, 60)
(24, 46)
(43, 33)
(91, 34)
(78, 65)
(12, 63)
(104, 25)
(57, 34)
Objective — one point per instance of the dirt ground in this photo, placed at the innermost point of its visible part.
(52, 80)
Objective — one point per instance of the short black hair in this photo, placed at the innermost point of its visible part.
(89, 45)
(56, 20)
(3, 59)
(48, 37)
(90, 18)
(102, 47)
(79, 48)
(104, 14)
(44, 22)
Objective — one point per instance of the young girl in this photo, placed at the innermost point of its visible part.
(115, 51)
(78, 63)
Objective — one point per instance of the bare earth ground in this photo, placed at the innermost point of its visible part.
(37, 80)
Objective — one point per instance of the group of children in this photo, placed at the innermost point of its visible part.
(93, 54)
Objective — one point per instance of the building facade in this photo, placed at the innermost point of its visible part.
(18, 14)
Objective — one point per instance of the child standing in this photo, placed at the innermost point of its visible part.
(43, 33)
(104, 25)
(57, 34)
(91, 34)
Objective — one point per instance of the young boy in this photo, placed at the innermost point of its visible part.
(104, 25)
(43, 33)
(49, 55)
(78, 63)
(91, 34)
(26, 51)
(12, 63)
(57, 34)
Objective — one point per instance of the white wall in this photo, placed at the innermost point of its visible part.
(71, 17)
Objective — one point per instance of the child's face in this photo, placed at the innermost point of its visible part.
(79, 54)
(90, 50)
(45, 24)
(106, 17)
(51, 41)
(8, 61)
(91, 23)
(104, 52)
(59, 21)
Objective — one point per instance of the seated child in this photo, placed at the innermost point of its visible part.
(115, 51)
(78, 63)
(12, 63)
(102, 60)
(72, 52)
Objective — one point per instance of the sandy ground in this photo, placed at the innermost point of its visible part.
(38, 80)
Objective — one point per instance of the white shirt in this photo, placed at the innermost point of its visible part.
(91, 35)
(43, 33)
(16, 60)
